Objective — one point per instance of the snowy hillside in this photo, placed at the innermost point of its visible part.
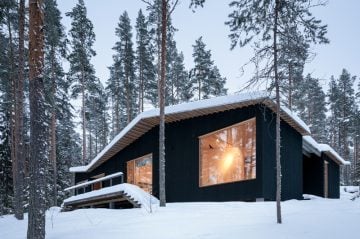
(314, 218)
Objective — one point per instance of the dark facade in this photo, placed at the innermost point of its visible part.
(182, 158)
(314, 176)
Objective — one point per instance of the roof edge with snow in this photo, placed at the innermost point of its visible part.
(310, 145)
(149, 119)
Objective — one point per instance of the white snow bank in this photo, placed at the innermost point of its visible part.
(190, 106)
(146, 200)
(310, 219)
(350, 192)
(350, 189)
(324, 148)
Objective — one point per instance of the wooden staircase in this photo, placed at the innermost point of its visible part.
(95, 201)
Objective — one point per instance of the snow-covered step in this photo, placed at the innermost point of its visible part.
(132, 193)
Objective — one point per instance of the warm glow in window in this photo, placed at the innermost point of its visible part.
(139, 172)
(229, 154)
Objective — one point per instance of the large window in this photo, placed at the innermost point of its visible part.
(139, 172)
(229, 154)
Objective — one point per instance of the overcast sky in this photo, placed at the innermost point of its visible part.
(342, 18)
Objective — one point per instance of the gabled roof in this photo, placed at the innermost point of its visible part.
(149, 119)
(311, 146)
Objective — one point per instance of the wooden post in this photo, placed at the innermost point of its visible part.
(326, 178)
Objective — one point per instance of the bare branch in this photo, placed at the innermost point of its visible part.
(146, 2)
(172, 8)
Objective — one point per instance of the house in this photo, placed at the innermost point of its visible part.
(219, 149)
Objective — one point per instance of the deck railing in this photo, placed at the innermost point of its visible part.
(83, 185)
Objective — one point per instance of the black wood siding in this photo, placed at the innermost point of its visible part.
(182, 158)
(333, 177)
(291, 158)
(148, 143)
(313, 175)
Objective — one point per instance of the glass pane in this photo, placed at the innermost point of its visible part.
(139, 172)
(229, 154)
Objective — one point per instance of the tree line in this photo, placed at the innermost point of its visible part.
(105, 109)
(38, 140)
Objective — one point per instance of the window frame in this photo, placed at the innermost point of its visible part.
(222, 129)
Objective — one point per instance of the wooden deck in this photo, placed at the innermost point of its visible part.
(94, 201)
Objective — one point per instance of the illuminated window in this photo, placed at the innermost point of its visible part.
(139, 172)
(229, 154)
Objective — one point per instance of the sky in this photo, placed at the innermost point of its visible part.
(342, 18)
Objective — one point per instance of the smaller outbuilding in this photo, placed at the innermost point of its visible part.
(321, 169)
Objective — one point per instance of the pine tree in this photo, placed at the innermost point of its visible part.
(6, 182)
(311, 107)
(114, 91)
(19, 116)
(81, 70)
(346, 109)
(357, 139)
(13, 17)
(162, 87)
(68, 148)
(154, 24)
(205, 77)
(178, 88)
(97, 119)
(125, 54)
(333, 120)
(146, 72)
(267, 21)
(293, 53)
(38, 154)
(55, 49)
(342, 120)
(6, 190)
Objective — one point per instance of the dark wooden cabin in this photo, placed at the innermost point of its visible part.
(220, 149)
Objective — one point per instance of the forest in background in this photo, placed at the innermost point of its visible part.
(333, 116)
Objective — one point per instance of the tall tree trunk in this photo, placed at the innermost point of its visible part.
(53, 129)
(128, 104)
(290, 87)
(141, 95)
(277, 87)
(162, 193)
(17, 200)
(158, 42)
(199, 89)
(19, 118)
(37, 164)
(83, 116)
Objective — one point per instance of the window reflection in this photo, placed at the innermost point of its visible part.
(229, 154)
(139, 172)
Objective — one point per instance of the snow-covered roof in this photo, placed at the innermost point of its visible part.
(148, 119)
(310, 145)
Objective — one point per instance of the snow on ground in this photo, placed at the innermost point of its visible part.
(314, 218)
